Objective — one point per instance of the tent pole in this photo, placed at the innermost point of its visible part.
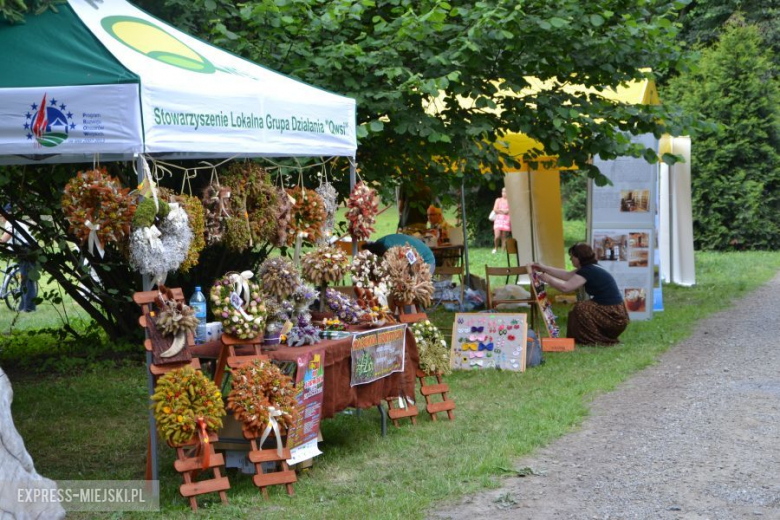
(147, 286)
(533, 219)
(352, 182)
(465, 233)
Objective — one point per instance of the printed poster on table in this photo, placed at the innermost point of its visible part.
(309, 385)
(377, 353)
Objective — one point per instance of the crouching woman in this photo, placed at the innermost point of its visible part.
(601, 319)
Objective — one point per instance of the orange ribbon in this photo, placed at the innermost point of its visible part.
(205, 449)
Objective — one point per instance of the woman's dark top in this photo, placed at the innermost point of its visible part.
(600, 285)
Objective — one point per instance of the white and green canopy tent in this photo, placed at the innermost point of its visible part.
(103, 77)
(107, 78)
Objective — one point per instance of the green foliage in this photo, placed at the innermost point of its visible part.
(735, 167)
(395, 57)
(479, 204)
(703, 21)
(14, 11)
(574, 195)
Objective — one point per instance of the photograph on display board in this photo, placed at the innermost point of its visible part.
(638, 258)
(638, 249)
(634, 201)
(636, 299)
(610, 246)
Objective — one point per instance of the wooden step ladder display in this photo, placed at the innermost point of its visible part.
(428, 390)
(189, 461)
(396, 412)
(282, 475)
(229, 358)
(394, 409)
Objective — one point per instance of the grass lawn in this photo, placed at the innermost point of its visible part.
(93, 424)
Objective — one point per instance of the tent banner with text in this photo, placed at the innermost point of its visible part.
(377, 353)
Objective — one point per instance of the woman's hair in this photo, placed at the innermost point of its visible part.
(584, 253)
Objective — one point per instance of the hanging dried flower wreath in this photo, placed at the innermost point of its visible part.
(308, 215)
(262, 398)
(237, 302)
(254, 196)
(216, 211)
(155, 252)
(363, 207)
(181, 397)
(330, 202)
(408, 283)
(284, 211)
(324, 265)
(367, 270)
(432, 347)
(194, 209)
(98, 209)
(279, 277)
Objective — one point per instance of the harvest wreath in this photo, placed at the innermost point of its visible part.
(279, 277)
(308, 215)
(98, 209)
(237, 303)
(185, 400)
(363, 208)
(263, 399)
(409, 282)
(324, 265)
(156, 251)
(255, 197)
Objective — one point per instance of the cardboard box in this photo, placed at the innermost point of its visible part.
(557, 344)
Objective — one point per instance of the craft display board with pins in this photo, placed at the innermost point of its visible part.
(494, 340)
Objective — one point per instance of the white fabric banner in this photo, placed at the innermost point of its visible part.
(38, 122)
(197, 98)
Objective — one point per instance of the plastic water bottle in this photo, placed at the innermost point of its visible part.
(198, 304)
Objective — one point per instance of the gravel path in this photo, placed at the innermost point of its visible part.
(696, 436)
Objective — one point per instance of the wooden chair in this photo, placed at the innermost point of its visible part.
(511, 250)
(491, 302)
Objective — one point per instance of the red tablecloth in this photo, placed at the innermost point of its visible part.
(338, 395)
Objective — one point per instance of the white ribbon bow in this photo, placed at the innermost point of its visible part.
(240, 283)
(152, 234)
(273, 413)
(93, 241)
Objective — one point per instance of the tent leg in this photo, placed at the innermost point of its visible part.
(465, 233)
(152, 466)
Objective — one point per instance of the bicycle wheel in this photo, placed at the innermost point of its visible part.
(12, 289)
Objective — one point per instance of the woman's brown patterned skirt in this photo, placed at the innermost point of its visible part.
(594, 324)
